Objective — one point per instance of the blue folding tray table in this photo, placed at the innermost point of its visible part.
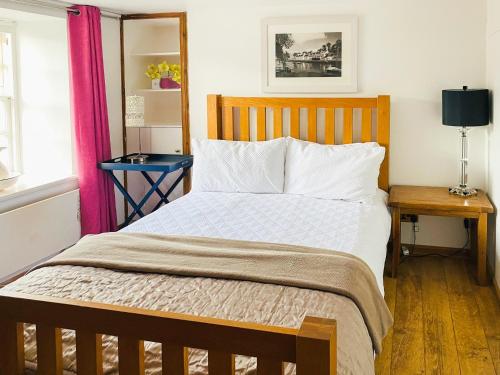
(163, 163)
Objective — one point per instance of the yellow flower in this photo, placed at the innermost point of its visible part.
(152, 71)
(163, 67)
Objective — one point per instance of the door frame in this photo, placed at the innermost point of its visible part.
(186, 139)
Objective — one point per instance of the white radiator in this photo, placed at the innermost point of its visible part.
(37, 231)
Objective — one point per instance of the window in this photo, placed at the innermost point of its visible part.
(35, 121)
(7, 99)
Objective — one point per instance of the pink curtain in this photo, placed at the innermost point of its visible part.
(90, 119)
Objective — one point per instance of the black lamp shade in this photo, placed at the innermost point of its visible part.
(466, 107)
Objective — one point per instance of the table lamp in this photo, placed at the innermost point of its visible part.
(465, 108)
(134, 118)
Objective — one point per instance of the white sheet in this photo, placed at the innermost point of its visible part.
(361, 229)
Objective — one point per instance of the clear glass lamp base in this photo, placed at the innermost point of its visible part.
(462, 191)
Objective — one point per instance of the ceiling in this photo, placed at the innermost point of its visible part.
(14, 15)
(155, 6)
(136, 6)
(151, 6)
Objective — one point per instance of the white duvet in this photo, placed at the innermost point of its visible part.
(361, 229)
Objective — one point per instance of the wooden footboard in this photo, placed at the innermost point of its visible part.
(312, 347)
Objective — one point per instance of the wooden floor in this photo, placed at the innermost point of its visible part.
(443, 322)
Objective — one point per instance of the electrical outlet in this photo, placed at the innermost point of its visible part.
(416, 227)
(408, 218)
(406, 251)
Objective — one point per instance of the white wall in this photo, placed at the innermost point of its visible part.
(110, 29)
(37, 231)
(493, 70)
(45, 115)
(50, 75)
(408, 49)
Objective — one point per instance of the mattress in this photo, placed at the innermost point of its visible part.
(360, 229)
(355, 228)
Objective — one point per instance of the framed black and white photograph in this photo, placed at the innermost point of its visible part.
(310, 54)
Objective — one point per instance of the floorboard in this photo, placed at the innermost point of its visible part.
(383, 362)
(489, 311)
(441, 355)
(444, 323)
(408, 335)
(473, 351)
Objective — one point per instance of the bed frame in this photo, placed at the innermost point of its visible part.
(312, 347)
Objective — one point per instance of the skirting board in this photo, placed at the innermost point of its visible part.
(497, 289)
(20, 273)
(494, 281)
(427, 249)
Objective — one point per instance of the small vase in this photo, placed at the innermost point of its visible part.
(169, 83)
(155, 84)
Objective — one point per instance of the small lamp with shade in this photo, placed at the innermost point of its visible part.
(134, 118)
(465, 108)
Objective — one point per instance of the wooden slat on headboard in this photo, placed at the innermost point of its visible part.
(220, 107)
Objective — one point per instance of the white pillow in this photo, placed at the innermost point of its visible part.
(347, 172)
(239, 167)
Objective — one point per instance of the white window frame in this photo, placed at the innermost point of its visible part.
(13, 128)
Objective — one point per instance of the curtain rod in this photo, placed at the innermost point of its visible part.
(59, 5)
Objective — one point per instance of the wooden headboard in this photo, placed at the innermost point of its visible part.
(224, 112)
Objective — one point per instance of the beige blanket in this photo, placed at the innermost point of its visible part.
(296, 266)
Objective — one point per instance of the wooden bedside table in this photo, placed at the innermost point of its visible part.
(436, 201)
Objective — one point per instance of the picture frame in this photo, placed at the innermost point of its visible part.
(315, 54)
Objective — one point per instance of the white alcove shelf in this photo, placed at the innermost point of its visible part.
(152, 39)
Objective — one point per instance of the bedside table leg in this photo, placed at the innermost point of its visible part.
(396, 239)
(473, 239)
(482, 238)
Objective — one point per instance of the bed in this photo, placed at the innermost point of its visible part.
(240, 325)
